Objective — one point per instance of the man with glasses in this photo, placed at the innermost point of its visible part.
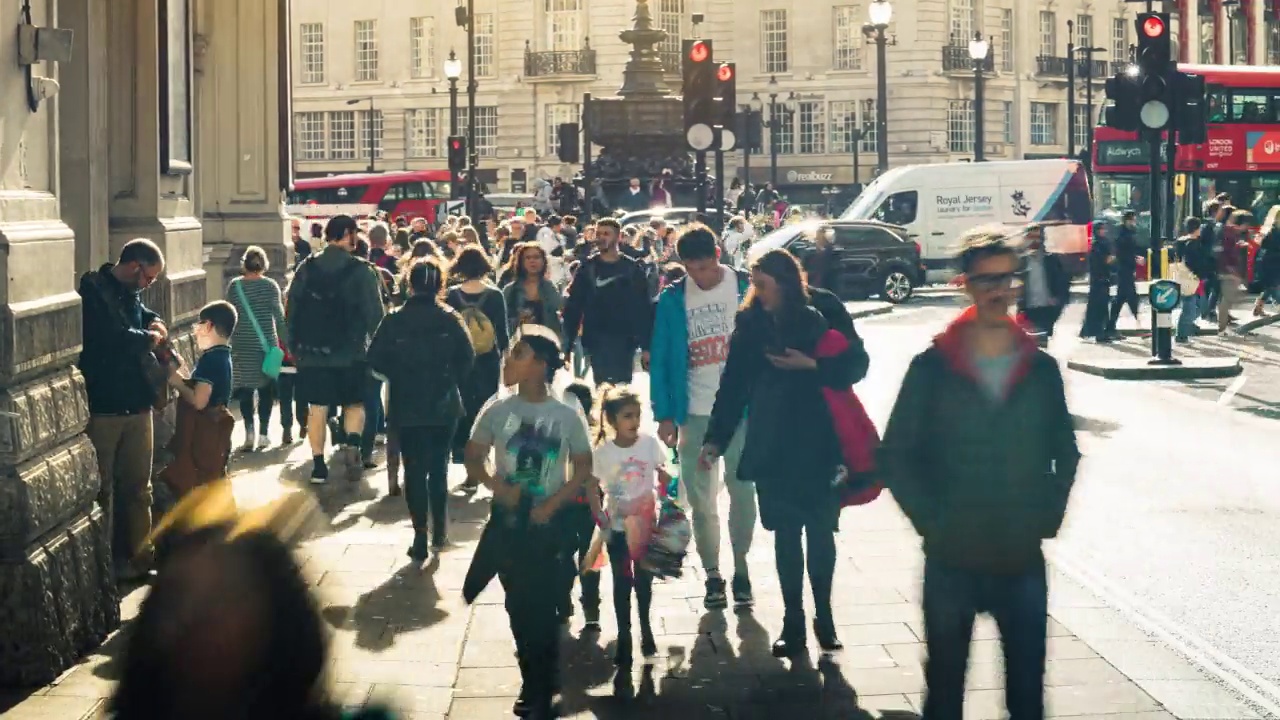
(980, 453)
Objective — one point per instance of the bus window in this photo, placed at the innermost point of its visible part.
(1073, 205)
(438, 190)
(1251, 106)
(329, 195)
(1217, 104)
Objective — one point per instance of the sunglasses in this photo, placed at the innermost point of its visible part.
(988, 282)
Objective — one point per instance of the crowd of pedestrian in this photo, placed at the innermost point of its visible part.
(453, 347)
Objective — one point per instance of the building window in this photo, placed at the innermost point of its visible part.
(1119, 40)
(563, 23)
(422, 46)
(960, 126)
(1273, 42)
(784, 136)
(422, 128)
(310, 129)
(1084, 31)
(1006, 40)
(868, 125)
(1048, 33)
(486, 129)
(371, 133)
(813, 127)
(366, 50)
(670, 17)
(1081, 134)
(1007, 121)
(961, 21)
(848, 39)
(1208, 40)
(773, 41)
(557, 115)
(844, 120)
(342, 135)
(485, 45)
(311, 42)
(1044, 123)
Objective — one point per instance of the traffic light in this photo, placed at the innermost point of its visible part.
(1191, 112)
(457, 153)
(567, 143)
(699, 91)
(727, 92)
(1121, 112)
(1155, 66)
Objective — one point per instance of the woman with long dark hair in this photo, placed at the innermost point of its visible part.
(484, 311)
(532, 299)
(791, 453)
(424, 352)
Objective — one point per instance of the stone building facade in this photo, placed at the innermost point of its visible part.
(165, 124)
(536, 59)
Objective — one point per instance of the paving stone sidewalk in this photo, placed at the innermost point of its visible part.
(403, 635)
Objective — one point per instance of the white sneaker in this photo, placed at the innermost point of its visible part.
(380, 439)
(264, 442)
(248, 444)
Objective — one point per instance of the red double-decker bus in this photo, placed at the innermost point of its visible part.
(1241, 154)
(411, 193)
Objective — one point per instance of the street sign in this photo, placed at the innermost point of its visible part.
(1164, 295)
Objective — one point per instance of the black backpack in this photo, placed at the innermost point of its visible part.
(323, 316)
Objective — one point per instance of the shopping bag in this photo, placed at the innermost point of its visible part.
(856, 483)
(665, 553)
(597, 555)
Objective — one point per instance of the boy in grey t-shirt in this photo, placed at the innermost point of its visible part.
(537, 438)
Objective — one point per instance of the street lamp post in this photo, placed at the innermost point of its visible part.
(978, 49)
(881, 13)
(1088, 53)
(1230, 7)
(777, 110)
(373, 143)
(453, 71)
(473, 154)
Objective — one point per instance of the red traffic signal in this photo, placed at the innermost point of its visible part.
(725, 73)
(699, 52)
(1153, 27)
(455, 144)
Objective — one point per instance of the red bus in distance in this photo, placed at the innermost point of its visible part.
(411, 193)
(1241, 155)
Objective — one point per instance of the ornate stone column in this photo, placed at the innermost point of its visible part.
(57, 594)
(240, 62)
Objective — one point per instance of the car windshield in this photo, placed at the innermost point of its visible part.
(780, 238)
(866, 203)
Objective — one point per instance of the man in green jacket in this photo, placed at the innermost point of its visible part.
(334, 306)
(980, 454)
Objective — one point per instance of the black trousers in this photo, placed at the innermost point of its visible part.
(1043, 318)
(789, 555)
(613, 360)
(266, 396)
(627, 577)
(291, 407)
(531, 607)
(1126, 294)
(425, 451)
(579, 527)
(1095, 311)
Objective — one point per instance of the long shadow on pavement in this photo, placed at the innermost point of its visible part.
(407, 601)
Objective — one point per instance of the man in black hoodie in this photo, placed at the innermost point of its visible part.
(980, 454)
(609, 305)
(120, 335)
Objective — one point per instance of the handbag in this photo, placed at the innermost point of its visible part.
(273, 356)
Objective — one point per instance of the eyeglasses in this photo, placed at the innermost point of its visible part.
(988, 282)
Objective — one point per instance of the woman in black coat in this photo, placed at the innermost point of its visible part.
(791, 451)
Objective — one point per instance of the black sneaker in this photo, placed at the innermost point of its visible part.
(715, 599)
(319, 471)
(590, 618)
(742, 596)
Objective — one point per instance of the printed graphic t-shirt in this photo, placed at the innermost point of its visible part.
(710, 315)
(532, 441)
(629, 476)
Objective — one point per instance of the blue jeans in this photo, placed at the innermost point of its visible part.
(1187, 318)
(372, 416)
(1020, 605)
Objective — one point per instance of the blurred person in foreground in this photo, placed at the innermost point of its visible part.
(980, 453)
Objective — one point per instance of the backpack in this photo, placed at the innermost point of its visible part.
(483, 337)
(323, 320)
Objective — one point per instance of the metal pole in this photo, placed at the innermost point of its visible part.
(720, 189)
(586, 158)
(1071, 88)
(978, 110)
(773, 141)
(700, 172)
(373, 145)
(1088, 101)
(746, 154)
(473, 154)
(882, 102)
(1158, 349)
(453, 132)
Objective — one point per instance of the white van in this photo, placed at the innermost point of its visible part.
(939, 203)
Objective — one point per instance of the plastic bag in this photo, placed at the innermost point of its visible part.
(664, 556)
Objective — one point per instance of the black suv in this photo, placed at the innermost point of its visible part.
(872, 258)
